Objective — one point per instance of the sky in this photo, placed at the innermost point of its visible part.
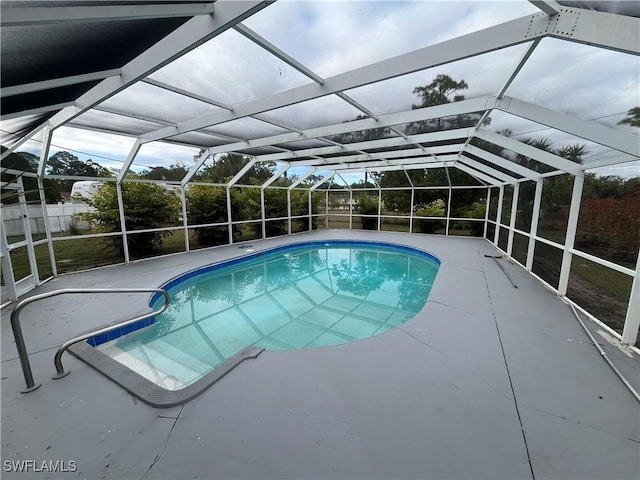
(332, 37)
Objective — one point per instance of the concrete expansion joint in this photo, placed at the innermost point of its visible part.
(511, 386)
(164, 446)
(458, 309)
(421, 341)
(577, 422)
(470, 269)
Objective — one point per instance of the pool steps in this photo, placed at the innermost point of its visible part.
(160, 363)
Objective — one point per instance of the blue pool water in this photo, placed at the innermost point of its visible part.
(294, 297)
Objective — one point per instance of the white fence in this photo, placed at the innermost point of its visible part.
(61, 216)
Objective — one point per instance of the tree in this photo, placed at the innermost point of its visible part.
(26, 162)
(67, 164)
(367, 205)
(175, 172)
(362, 135)
(443, 89)
(556, 193)
(275, 206)
(436, 208)
(633, 118)
(439, 91)
(146, 206)
(394, 200)
(224, 168)
(207, 204)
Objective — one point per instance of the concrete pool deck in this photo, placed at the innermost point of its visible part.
(487, 381)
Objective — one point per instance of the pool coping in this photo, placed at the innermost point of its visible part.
(149, 392)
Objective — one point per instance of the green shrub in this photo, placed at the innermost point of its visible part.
(207, 204)
(368, 205)
(146, 206)
(477, 210)
(436, 208)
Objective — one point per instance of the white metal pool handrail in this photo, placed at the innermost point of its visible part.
(22, 349)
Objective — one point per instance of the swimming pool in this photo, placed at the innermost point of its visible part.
(298, 296)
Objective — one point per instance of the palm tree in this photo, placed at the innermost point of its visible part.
(573, 152)
(557, 189)
(633, 118)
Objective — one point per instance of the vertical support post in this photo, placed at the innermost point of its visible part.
(123, 226)
(537, 201)
(632, 320)
(350, 209)
(448, 211)
(446, 228)
(229, 216)
(413, 197)
(379, 208)
(185, 223)
(310, 211)
(496, 235)
(289, 209)
(572, 224)
(512, 220)
(486, 213)
(5, 263)
(47, 135)
(47, 227)
(33, 265)
(262, 215)
(326, 209)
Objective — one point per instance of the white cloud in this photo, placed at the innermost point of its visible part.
(111, 151)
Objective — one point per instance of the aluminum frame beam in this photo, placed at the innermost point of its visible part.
(362, 166)
(241, 173)
(483, 41)
(186, 93)
(503, 177)
(589, 27)
(536, 154)
(502, 162)
(363, 158)
(448, 109)
(123, 171)
(585, 27)
(30, 16)
(478, 175)
(324, 179)
(276, 175)
(587, 130)
(57, 82)
(34, 111)
(413, 166)
(505, 86)
(276, 52)
(550, 7)
(302, 179)
(371, 144)
(136, 116)
(632, 319)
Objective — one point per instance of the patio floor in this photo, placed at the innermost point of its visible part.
(487, 381)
